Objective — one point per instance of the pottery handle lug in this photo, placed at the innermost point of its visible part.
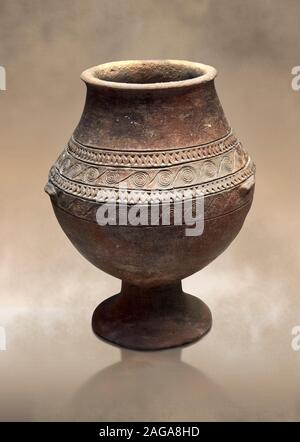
(247, 185)
(50, 189)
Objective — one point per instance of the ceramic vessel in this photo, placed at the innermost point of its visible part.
(152, 134)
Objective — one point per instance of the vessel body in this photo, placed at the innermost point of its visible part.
(152, 133)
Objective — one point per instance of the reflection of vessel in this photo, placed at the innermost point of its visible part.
(156, 127)
(150, 387)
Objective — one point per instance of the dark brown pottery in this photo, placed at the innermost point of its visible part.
(151, 132)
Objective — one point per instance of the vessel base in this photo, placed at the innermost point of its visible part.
(153, 318)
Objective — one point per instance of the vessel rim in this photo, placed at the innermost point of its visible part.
(91, 75)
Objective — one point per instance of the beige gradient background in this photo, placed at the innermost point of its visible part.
(54, 368)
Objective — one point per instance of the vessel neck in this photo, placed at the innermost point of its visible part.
(150, 116)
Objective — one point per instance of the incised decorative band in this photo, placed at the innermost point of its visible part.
(105, 194)
(168, 157)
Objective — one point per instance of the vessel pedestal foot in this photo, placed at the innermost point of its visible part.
(153, 318)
